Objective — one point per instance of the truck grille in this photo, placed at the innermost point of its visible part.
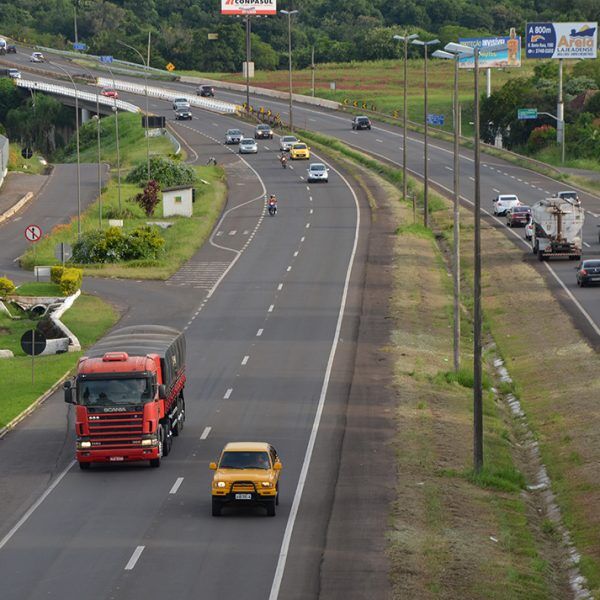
(243, 486)
(116, 430)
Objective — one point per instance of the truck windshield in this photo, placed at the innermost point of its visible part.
(245, 460)
(114, 392)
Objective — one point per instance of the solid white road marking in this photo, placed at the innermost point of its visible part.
(271, 308)
(245, 360)
(228, 394)
(178, 482)
(259, 332)
(205, 433)
(134, 558)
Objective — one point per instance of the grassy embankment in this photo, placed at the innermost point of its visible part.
(89, 318)
(32, 165)
(182, 239)
(455, 534)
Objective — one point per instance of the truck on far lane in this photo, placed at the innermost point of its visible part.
(128, 396)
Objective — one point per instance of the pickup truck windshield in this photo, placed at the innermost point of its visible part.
(245, 460)
(114, 392)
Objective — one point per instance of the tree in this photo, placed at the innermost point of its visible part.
(148, 199)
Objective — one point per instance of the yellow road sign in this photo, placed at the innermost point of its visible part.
(170, 67)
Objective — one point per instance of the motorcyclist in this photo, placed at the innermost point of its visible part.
(272, 203)
(283, 159)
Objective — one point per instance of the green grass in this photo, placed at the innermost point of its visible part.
(89, 318)
(35, 288)
(17, 163)
(181, 240)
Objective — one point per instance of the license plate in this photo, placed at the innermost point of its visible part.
(595, 278)
(116, 458)
(243, 496)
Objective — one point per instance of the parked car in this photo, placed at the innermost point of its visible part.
(502, 202)
(518, 215)
(206, 90)
(11, 49)
(13, 73)
(181, 103)
(233, 136)
(248, 146)
(263, 132)
(183, 114)
(247, 473)
(37, 57)
(570, 195)
(299, 150)
(318, 172)
(361, 123)
(529, 229)
(588, 271)
(109, 93)
(287, 141)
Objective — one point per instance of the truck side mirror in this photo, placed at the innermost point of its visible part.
(212, 466)
(162, 391)
(277, 466)
(68, 389)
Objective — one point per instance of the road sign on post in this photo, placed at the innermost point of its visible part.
(106, 59)
(79, 46)
(527, 113)
(33, 233)
(433, 119)
(33, 343)
(170, 67)
(27, 152)
(63, 252)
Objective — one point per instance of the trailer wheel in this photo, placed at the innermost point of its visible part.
(180, 417)
(85, 466)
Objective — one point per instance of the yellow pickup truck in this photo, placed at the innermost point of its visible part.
(247, 473)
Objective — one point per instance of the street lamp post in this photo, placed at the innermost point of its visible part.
(405, 38)
(289, 14)
(115, 109)
(425, 147)
(146, 94)
(77, 146)
(248, 56)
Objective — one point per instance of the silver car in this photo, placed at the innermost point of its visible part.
(181, 103)
(36, 57)
(233, 136)
(318, 172)
(14, 73)
(286, 142)
(248, 146)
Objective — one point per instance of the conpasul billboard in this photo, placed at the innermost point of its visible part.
(252, 7)
(494, 52)
(562, 40)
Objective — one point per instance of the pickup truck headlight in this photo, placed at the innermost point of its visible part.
(266, 484)
(150, 441)
(220, 484)
(83, 444)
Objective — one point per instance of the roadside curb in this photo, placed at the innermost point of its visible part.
(12, 424)
(16, 207)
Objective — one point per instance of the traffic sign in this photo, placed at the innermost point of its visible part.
(527, 113)
(63, 252)
(170, 67)
(79, 46)
(27, 152)
(106, 59)
(33, 342)
(433, 119)
(33, 233)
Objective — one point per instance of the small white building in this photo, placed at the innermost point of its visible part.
(178, 200)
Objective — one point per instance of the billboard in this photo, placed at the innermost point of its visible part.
(494, 52)
(562, 40)
(248, 7)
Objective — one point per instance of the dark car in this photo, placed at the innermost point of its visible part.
(518, 215)
(588, 271)
(183, 114)
(361, 123)
(206, 90)
(263, 132)
(11, 49)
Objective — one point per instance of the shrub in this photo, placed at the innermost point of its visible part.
(6, 286)
(165, 171)
(541, 137)
(56, 274)
(70, 281)
(148, 199)
(126, 212)
(593, 104)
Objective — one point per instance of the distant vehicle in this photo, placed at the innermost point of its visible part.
(588, 271)
(183, 114)
(248, 146)
(502, 202)
(287, 141)
(206, 90)
(2, 46)
(109, 93)
(13, 73)
(518, 215)
(569, 195)
(299, 150)
(263, 132)
(233, 136)
(557, 226)
(247, 473)
(11, 49)
(181, 103)
(361, 123)
(529, 228)
(37, 57)
(318, 172)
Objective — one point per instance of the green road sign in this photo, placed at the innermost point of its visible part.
(527, 113)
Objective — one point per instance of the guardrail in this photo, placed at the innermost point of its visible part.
(4, 151)
(60, 90)
(165, 94)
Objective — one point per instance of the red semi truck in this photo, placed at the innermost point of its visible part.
(128, 396)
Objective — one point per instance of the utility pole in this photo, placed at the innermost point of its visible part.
(560, 112)
(312, 66)
(289, 14)
(248, 57)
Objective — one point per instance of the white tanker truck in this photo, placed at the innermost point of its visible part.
(557, 228)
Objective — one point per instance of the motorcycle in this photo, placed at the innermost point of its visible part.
(283, 161)
(272, 208)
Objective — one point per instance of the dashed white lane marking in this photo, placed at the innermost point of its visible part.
(519, 179)
(378, 140)
(267, 148)
(17, 218)
(289, 269)
(586, 245)
(307, 225)
(310, 198)
(296, 253)
(259, 332)
(313, 120)
(311, 211)
(233, 232)
(176, 485)
(472, 178)
(496, 190)
(246, 232)
(292, 167)
(449, 168)
(205, 433)
(215, 124)
(245, 360)
(134, 558)
(301, 177)
(354, 133)
(280, 287)
(219, 233)
(589, 212)
(228, 394)
(308, 187)
(302, 239)
(271, 308)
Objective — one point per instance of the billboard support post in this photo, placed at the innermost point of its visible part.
(560, 112)
(488, 82)
(248, 30)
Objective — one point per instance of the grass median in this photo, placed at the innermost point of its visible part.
(89, 318)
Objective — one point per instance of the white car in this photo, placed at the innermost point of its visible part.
(502, 202)
(248, 146)
(318, 172)
(529, 229)
(286, 142)
(181, 103)
(37, 57)
(14, 73)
